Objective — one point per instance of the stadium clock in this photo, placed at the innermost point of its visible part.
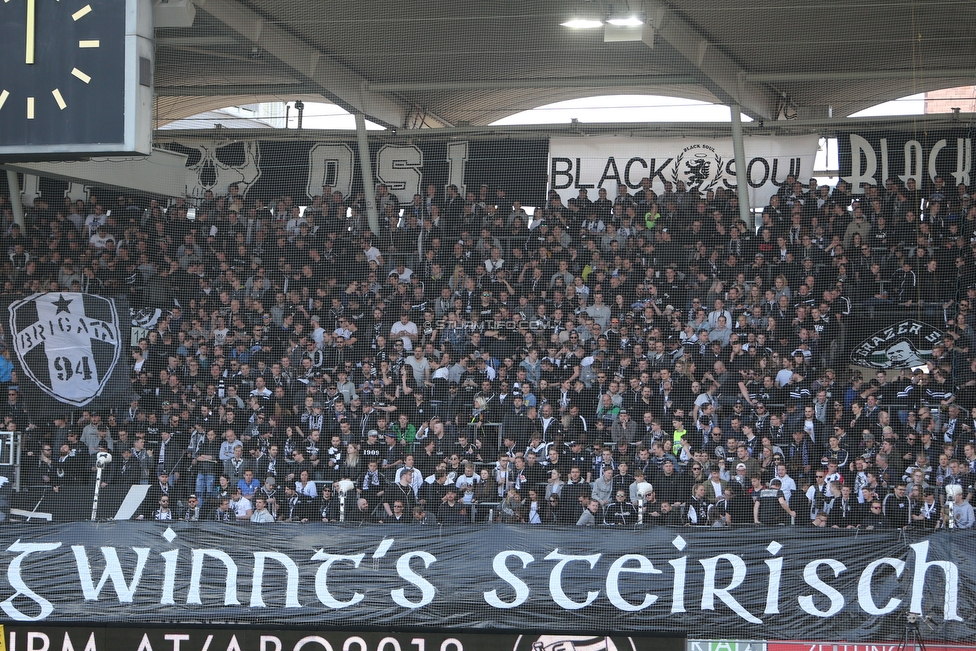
(75, 78)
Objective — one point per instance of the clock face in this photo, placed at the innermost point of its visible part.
(62, 72)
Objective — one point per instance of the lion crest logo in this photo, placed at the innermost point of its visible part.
(699, 167)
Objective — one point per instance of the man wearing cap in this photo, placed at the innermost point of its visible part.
(270, 492)
(158, 490)
(450, 511)
(771, 507)
(193, 510)
(392, 457)
(372, 448)
(926, 514)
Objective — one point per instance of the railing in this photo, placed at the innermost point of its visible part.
(10, 451)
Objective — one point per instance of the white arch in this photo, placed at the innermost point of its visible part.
(623, 108)
(319, 113)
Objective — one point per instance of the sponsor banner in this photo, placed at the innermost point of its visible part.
(777, 581)
(798, 645)
(899, 343)
(69, 345)
(875, 156)
(725, 645)
(210, 638)
(702, 165)
(272, 169)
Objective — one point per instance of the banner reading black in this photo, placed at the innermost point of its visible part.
(875, 156)
(777, 582)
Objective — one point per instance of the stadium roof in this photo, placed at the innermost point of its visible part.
(411, 64)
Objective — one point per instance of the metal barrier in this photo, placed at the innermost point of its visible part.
(10, 450)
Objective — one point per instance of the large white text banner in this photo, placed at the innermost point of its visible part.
(701, 164)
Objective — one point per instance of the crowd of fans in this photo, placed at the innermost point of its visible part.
(649, 357)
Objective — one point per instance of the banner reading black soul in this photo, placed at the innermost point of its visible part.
(211, 638)
(875, 156)
(69, 349)
(751, 582)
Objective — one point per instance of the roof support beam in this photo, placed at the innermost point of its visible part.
(632, 129)
(248, 89)
(337, 82)
(858, 75)
(502, 84)
(728, 79)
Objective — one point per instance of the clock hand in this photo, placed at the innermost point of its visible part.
(30, 31)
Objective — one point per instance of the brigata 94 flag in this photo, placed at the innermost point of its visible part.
(69, 348)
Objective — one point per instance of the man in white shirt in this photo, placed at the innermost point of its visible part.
(416, 479)
(405, 330)
(101, 238)
(372, 253)
(241, 505)
(787, 484)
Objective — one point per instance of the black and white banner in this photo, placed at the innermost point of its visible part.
(701, 164)
(755, 583)
(272, 169)
(190, 637)
(872, 157)
(70, 348)
(893, 342)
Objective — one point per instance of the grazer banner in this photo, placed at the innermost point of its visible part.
(70, 349)
(893, 341)
(747, 583)
(188, 637)
(872, 157)
(271, 169)
(703, 164)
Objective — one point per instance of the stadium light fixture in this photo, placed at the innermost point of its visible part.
(626, 20)
(581, 22)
